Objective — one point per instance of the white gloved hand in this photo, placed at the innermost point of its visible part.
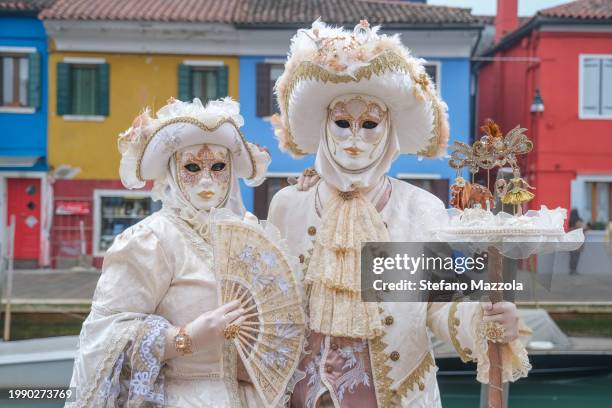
(306, 180)
(207, 330)
(504, 313)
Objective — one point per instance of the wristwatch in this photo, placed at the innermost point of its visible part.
(182, 342)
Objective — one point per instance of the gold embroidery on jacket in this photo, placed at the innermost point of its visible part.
(385, 396)
(453, 330)
(380, 371)
(417, 375)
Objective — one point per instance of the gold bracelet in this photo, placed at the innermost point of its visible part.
(182, 342)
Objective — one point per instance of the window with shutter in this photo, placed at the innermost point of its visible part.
(598, 202)
(64, 101)
(84, 97)
(83, 88)
(606, 87)
(34, 80)
(595, 100)
(262, 87)
(103, 88)
(184, 82)
(15, 80)
(203, 82)
(222, 82)
(266, 76)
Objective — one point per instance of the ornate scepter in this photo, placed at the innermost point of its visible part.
(472, 221)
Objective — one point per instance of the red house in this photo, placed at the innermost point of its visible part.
(553, 75)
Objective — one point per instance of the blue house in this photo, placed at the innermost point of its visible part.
(444, 36)
(24, 189)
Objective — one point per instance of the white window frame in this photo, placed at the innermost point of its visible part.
(578, 190)
(24, 51)
(97, 215)
(82, 60)
(438, 82)
(582, 115)
(203, 63)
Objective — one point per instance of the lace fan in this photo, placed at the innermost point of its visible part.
(251, 266)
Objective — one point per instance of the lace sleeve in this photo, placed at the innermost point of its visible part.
(122, 341)
(135, 377)
(460, 324)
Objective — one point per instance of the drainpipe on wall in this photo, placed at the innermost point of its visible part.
(474, 69)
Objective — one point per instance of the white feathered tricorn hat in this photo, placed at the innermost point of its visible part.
(146, 147)
(326, 62)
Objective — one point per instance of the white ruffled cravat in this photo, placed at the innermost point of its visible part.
(333, 277)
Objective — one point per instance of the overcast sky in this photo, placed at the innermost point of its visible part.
(487, 7)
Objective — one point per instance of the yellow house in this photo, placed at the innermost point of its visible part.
(97, 86)
(95, 96)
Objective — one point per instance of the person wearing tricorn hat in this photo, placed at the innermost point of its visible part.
(358, 99)
(156, 335)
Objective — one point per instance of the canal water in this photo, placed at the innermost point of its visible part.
(549, 392)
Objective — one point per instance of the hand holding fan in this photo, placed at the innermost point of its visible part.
(251, 267)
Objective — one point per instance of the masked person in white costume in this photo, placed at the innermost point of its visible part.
(155, 334)
(358, 99)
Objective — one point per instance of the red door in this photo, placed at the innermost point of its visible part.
(24, 202)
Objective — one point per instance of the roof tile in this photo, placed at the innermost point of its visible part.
(581, 9)
(24, 5)
(275, 12)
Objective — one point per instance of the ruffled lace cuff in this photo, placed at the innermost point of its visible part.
(514, 358)
(136, 379)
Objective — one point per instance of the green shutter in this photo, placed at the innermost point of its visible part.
(103, 86)
(222, 79)
(184, 83)
(34, 80)
(64, 93)
(263, 96)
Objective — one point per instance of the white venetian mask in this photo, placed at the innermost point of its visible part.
(204, 173)
(357, 130)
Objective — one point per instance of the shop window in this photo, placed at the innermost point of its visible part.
(595, 95)
(267, 74)
(202, 81)
(598, 204)
(264, 193)
(83, 89)
(116, 210)
(20, 80)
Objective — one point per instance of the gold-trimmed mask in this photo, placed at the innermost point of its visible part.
(204, 174)
(357, 130)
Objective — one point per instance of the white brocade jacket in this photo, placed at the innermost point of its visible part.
(158, 271)
(403, 370)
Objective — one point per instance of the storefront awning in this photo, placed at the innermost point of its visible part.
(19, 161)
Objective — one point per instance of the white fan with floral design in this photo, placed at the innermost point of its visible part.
(252, 266)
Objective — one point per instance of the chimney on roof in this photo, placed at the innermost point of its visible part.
(506, 20)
